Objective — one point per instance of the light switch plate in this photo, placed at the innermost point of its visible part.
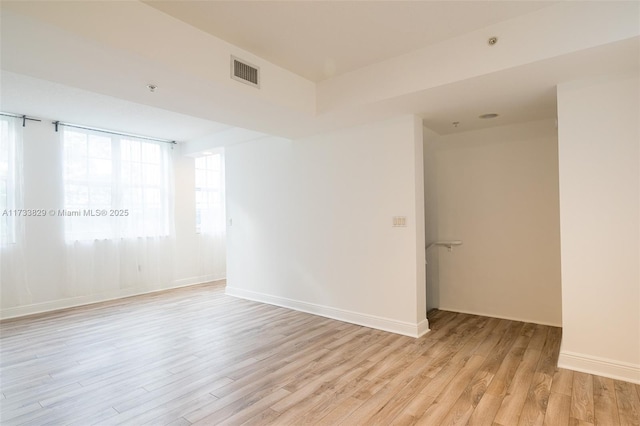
(399, 221)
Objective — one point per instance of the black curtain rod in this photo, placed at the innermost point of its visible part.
(94, 129)
(24, 117)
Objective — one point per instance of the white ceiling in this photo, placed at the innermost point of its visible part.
(89, 62)
(322, 39)
(53, 101)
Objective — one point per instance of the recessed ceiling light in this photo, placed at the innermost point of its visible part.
(487, 116)
(492, 41)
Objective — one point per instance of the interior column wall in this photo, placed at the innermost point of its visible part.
(311, 224)
(599, 151)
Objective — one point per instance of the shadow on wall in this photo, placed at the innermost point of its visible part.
(433, 284)
(430, 142)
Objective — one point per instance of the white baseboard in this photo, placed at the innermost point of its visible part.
(184, 282)
(423, 328)
(371, 321)
(600, 366)
(492, 315)
(55, 305)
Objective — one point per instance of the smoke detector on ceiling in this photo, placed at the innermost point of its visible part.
(245, 72)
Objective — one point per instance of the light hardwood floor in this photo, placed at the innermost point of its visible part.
(197, 356)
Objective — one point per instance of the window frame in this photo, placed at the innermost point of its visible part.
(122, 220)
(209, 192)
(11, 179)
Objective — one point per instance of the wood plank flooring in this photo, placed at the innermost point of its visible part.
(197, 356)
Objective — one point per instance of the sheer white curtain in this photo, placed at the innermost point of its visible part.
(13, 271)
(210, 214)
(118, 206)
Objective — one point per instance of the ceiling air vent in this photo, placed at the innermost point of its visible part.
(245, 72)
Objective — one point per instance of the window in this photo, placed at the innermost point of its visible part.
(9, 179)
(114, 186)
(209, 194)
(144, 188)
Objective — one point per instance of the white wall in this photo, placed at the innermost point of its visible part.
(599, 141)
(496, 190)
(45, 244)
(312, 224)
